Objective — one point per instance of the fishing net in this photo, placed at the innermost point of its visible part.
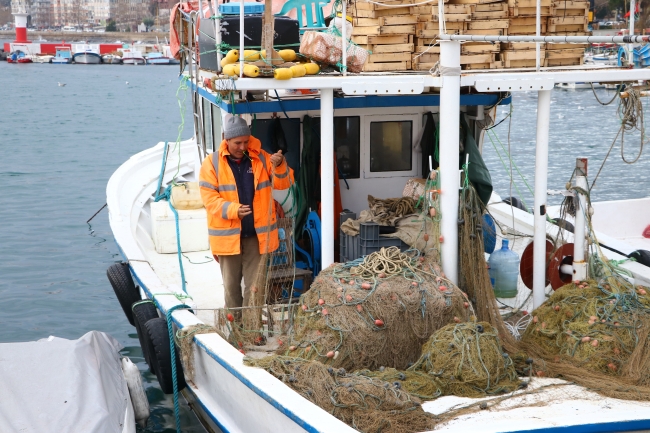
(375, 311)
(365, 403)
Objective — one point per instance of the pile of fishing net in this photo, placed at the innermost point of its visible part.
(365, 403)
(595, 333)
(376, 311)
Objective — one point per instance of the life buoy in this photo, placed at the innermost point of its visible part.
(139, 399)
(120, 278)
(143, 311)
(159, 336)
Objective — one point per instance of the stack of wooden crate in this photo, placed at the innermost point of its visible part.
(570, 18)
(386, 31)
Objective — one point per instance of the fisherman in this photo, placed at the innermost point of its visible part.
(235, 185)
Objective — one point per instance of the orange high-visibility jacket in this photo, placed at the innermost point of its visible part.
(221, 200)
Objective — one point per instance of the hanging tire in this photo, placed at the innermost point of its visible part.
(120, 278)
(142, 313)
(515, 202)
(641, 256)
(564, 224)
(159, 336)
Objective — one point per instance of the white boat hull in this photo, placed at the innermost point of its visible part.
(87, 59)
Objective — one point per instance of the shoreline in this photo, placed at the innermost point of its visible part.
(70, 37)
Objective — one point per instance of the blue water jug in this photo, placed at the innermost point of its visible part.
(504, 271)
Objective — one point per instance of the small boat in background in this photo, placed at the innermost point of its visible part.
(159, 59)
(19, 57)
(132, 57)
(63, 56)
(111, 59)
(87, 57)
(42, 58)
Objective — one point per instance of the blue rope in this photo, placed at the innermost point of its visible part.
(162, 171)
(178, 242)
(172, 350)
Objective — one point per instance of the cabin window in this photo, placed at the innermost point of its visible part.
(207, 123)
(216, 127)
(347, 144)
(390, 146)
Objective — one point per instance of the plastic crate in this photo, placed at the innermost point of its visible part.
(370, 246)
(369, 231)
(249, 8)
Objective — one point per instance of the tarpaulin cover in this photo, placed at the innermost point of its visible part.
(58, 385)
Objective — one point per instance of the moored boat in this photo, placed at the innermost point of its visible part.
(111, 59)
(159, 59)
(87, 57)
(132, 57)
(63, 56)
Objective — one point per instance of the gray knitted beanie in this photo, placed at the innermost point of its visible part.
(236, 127)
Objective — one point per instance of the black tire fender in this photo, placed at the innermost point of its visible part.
(120, 278)
(159, 336)
(515, 202)
(142, 313)
(564, 224)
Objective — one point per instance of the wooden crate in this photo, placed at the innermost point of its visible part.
(451, 18)
(529, 3)
(425, 58)
(435, 26)
(479, 48)
(362, 13)
(525, 63)
(490, 15)
(389, 57)
(488, 24)
(490, 32)
(512, 46)
(387, 67)
(383, 30)
(545, 11)
(572, 61)
(382, 40)
(522, 55)
(423, 66)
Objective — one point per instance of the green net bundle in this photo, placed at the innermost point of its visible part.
(368, 404)
(375, 312)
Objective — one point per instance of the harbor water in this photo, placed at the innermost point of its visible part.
(60, 144)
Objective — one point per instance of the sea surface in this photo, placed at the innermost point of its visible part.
(60, 144)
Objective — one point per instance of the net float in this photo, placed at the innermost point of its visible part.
(456, 319)
(382, 275)
(642, 292)
(441, 239)
(348, 298)
(442, 288)
(603, 321)
(414, 284)
(594, 318)
(304, 307)
(336, 354)
(359, 308)
(259, 340)
(379, 322)
(366, 286)
(321, 301)
(426, 237)
(466, 304)
(616, 324)
(292, 348)
(339, 296)
(280, 342)
(240, 344)
(611, 302)
(339, 289)
(230, 317)
(543, 325)
(254, 289)
(525, 312)
(585, 339)
(535, 319)
(307, 349)
(330, 354)
(617, 351)
(540, 373)
(352, 283)
(612, 366)
(556, 308)
(432, 212)
(242, 351)
(594, 343)
(421, 259)
(342, 281)
(568, 313)
(324, 312)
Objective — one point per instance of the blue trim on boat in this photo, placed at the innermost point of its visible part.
(618, 426)
(371, 101)
(207, 411)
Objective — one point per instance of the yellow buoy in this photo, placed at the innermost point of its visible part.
(282, 73)
(251, 71)
(229, 70)
(312, 68)
(298, 71)
(287, 55)
(263, 54)
(232, 56)
(237, 69)
(251, 55)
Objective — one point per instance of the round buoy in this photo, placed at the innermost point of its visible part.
(142, 313)
(562, 256)
(159, 336)
(489, 234)
(515, 202)
(526, 264)
(120, 278)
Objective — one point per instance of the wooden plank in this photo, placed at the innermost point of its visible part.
(434, 25)
(425, 58)
(383, 30)
(392, 12)
(476, 66)
(525, 30)
(563, 21)
(523, 63)
(389, 57)
(545, 11)
(453, 17)
(397, 20)
(490, 7)
(364, 14)
(428, 49)
(423, 66)
(476, 58)
(570, 4)
(393, 48)
(362, 6)
(488, 24)
(426, 42)
(522, 55)
(365, 22)
(565, 54)
(479, 48)
(386, 40)
(529, 3)
(511, 46)
(489, 15)
(584, 12)
(421, 10)
(386, 67)
(526, 21)
(569, 30)
(489, 32)
(565, 62)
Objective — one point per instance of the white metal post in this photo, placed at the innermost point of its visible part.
(541, 168)
(449, 178)
(538, 25)
(579, 263)
(344, 23)
(629, 46)
(327, 175)
(217, 33)
(241, 38)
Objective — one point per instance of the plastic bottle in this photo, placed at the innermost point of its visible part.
(504, 271)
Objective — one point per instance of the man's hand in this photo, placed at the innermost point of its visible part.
(277, 158)
(243, 211)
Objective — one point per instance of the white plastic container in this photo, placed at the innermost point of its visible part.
(193, 225)
(187, 196)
